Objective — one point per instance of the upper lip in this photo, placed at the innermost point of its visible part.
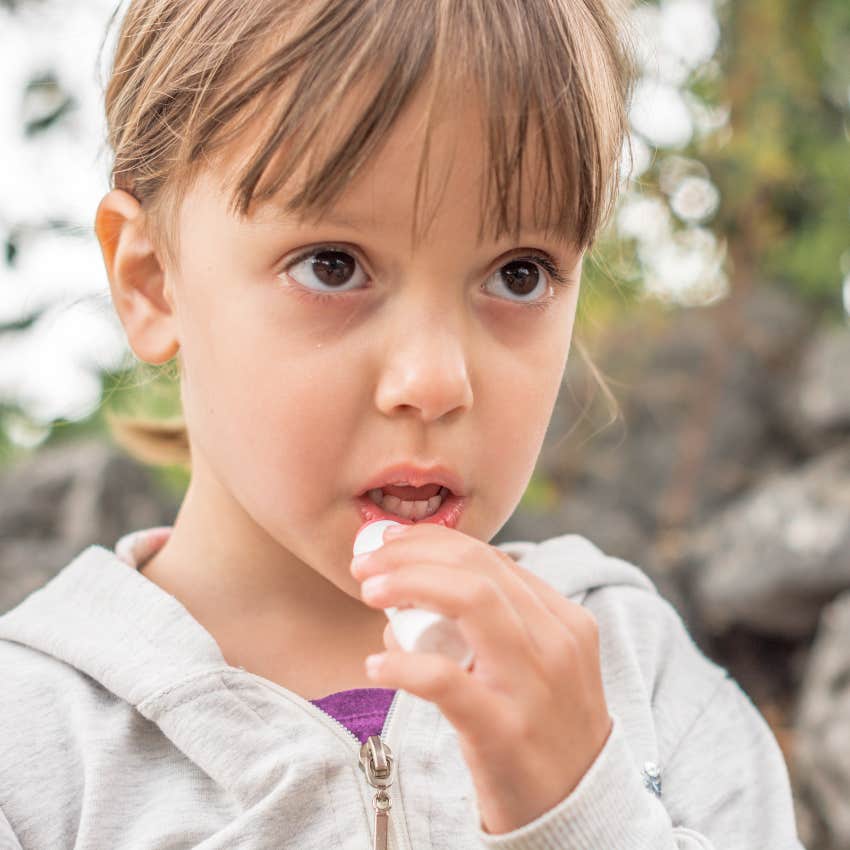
(416, 476)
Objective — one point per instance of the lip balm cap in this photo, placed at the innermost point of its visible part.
(371, 535)
(416, 630)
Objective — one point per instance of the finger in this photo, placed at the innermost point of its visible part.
(468, 704)
(542, 626)
(555, 624)
(577, 627)
(485, 616)
(570, 613)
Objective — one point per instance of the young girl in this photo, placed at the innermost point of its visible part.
(222, 683)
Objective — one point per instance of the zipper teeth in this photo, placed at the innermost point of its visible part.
(395, 827)
(292, 696)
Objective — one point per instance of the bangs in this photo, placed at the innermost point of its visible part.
(551, 79)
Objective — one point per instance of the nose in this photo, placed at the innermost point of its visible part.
(424, 370)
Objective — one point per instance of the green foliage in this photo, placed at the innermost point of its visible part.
(784, 170)
(541, 495)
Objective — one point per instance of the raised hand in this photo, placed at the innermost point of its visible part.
(530, 714)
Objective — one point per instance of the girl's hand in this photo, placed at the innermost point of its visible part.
(530, 714)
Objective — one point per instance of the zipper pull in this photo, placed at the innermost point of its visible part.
(376, 761)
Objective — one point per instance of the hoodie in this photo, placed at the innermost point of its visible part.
(122, 726)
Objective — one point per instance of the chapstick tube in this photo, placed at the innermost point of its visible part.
(414, 629)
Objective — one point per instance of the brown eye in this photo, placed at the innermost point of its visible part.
(327, 267)
(521, 276)
(333, 267)
(521, 279)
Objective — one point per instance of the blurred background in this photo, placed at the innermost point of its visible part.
(716, 309)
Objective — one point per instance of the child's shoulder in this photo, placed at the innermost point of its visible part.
(39, 691)
(39, 705)
(616, 590)
(575, 566)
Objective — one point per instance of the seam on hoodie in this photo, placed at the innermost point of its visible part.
(714, 694)
(7, 831)
(243, 686)
(188, 680)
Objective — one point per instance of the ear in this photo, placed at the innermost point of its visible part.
(136, 278)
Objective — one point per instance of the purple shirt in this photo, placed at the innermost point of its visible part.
(362, 710)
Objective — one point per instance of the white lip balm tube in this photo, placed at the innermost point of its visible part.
(416, 630)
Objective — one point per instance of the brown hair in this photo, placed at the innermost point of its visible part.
(190, 78)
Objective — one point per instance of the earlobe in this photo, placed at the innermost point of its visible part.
(137, 279)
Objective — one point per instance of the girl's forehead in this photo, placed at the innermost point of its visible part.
(453, 154)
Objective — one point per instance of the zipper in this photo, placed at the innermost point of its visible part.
(374, 759)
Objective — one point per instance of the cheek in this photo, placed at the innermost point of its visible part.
(280, 429)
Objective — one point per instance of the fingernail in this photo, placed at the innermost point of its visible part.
(394, 531)
(373, 664)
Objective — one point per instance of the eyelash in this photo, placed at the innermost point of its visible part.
(558, 278)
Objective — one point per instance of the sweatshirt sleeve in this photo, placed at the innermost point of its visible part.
(8, 841)
(725, 787)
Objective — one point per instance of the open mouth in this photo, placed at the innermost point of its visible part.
(432, 503)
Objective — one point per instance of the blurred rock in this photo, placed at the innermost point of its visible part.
(818, 406)
(773, 559)
(699, 394)
(822, 750)
(64, 499)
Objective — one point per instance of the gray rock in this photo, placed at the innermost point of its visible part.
(822, 744)
(818, 407)
(698, 396)
(773, 559)
(63, 499)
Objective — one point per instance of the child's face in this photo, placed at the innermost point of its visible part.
(293, 404)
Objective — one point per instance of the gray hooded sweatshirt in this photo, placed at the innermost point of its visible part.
(122, 727)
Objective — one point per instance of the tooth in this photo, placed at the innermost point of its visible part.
(420, 509)
(394, 505)
(406, 509)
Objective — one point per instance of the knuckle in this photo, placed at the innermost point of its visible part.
(564, 652)
(479, 593)
(516, 725)
(471, 551)
(443, 683)
(589, 625)
(507, 560)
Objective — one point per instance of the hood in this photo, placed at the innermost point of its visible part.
(104, 618)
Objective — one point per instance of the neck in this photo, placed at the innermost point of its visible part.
(250, 592)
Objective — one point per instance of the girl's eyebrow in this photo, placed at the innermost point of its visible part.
(356, 222)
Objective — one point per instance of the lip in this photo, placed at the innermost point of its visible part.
(447, 514)
(417, 476)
